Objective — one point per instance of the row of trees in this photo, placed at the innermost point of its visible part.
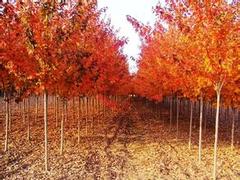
(58, 48)
(193, 52)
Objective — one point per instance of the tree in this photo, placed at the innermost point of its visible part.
(204, 42)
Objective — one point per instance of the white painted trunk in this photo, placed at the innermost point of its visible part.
(218, 91)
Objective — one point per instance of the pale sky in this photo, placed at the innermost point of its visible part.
(117, 12)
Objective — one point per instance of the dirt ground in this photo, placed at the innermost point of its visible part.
(129, 145)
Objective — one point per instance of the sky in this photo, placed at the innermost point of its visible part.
(117, 10)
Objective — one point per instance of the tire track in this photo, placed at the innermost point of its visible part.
(117, 162)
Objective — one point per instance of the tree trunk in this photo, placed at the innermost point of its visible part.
(24, 111)
(180, 107)
(28, 120)
(187, 108)
(97, 108)
(195, 114)
(218, 92)
(171, 111)
(92, 113)
(36, 115)
(64, 114)
(79, 115)
(200, 129)
(205, 117)
(190, 127)
(73, 115)
(55, 107)
(10, 116)
(67, 112)
(6, 97)
(177, 114)
(233, 127)
(57, 110)
(86, 116)
(45, 107)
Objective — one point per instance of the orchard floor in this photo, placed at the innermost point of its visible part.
(132, 145)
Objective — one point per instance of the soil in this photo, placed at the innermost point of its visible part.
(133, 144)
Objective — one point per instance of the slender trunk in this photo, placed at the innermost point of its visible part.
(171, 111)
(97, 107)
(94, 106)
(101, 105)
(28, 120)
(54, 104)
(233, 128)
(205, 117)
(10, 116)
(93, 114)
(190, 127)
(45, 107)
(64, 111)
(195, 114)
(218, 91)
(86, 116)
(24, 111)
(79, 115)
(200, 129)
(36, 115)
(177, 114)
(186, 108)
(57, 110)
(73, 109)
(7, 121)
(66, 114)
